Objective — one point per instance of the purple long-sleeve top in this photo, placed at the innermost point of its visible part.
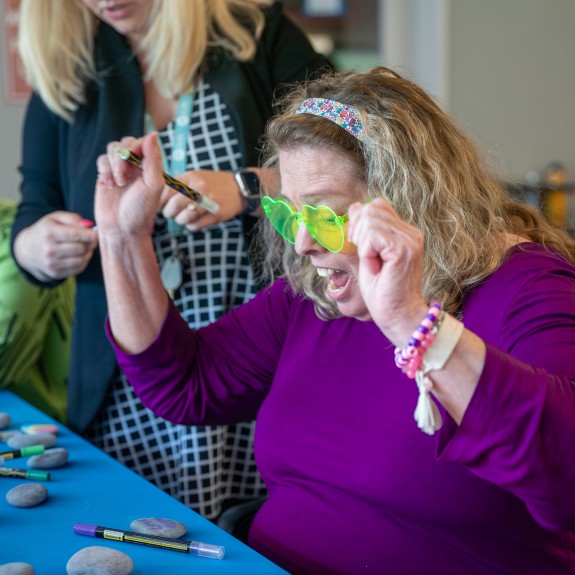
(355, 486)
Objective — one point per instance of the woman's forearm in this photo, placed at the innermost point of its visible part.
(455, 384)
(137, 300)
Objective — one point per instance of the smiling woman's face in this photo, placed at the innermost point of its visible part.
(324, 176)
(128, 17)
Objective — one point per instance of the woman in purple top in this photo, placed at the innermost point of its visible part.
(413, 282)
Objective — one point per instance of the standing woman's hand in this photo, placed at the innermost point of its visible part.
(220, 186)
(390, 268)
(57, 246)
(127, 197)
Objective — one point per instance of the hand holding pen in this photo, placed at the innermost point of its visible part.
(128, 197)
(200, 199)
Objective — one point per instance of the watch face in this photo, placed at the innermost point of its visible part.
(249, 184)
(251, 181)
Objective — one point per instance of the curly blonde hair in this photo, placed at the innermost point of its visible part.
(416, 157)
(56, 44)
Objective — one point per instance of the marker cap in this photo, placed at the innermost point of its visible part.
(32, 450)
(37, 475)
(85, 529)
(207, 550)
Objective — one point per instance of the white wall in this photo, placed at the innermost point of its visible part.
(414, 40)
(504, 68)
(513, 79)
(11, 117)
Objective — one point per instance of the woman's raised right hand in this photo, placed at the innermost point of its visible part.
(128, 197)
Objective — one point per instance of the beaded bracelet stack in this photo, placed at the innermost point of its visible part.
(409, 358)
(429, 349)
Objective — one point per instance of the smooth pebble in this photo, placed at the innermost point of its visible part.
(16, 569)
(51, 458)
(19, 440)
(6, 435)
(99, 561)
(5, 420)
(159, 526)
(27, 495)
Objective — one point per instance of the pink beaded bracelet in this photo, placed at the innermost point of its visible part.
(409, 358)
(428, 349)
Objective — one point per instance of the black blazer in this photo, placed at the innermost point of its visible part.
(59, 164)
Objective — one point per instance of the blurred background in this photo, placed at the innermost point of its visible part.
(503, 68)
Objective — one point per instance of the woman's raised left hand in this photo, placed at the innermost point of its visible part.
(390, 267)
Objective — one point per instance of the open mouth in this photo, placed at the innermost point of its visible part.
(337, 281)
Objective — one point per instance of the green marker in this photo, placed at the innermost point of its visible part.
(24, 452)
(33, 474)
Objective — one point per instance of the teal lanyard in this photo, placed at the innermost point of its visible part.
(177, 165)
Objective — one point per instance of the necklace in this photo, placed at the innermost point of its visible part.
(172, 267)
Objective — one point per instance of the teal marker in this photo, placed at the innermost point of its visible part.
(24, 452)
(34, 474)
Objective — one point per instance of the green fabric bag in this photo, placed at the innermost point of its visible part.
(35, 329)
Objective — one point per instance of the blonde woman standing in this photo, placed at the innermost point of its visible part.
(202, 74)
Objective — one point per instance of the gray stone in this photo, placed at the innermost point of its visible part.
(98, 560)
(159, 526)
(51, 458)
(27, 495)
(6, 435)
(16, 569)
(5, 420)
(19, 440)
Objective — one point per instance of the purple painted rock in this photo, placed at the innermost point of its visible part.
(159, 526)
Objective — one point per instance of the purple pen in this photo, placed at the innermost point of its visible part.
(190, 547)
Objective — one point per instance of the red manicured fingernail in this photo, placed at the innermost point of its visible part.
(86, 223)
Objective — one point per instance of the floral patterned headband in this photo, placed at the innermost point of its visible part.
(345, 116)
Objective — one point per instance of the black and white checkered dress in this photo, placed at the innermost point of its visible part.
(201, 466)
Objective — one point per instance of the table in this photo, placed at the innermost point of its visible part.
(95, 488)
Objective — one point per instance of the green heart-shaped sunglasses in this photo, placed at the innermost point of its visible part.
(322, 222)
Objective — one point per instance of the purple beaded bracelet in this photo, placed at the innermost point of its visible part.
(409, 357)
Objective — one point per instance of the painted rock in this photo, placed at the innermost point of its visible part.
(39, 428)
(51, 458)
(159, 526)
(27, 495)
(99, 561)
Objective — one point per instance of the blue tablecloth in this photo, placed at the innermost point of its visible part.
(94, 488)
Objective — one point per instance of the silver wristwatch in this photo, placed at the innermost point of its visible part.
(249, 185)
